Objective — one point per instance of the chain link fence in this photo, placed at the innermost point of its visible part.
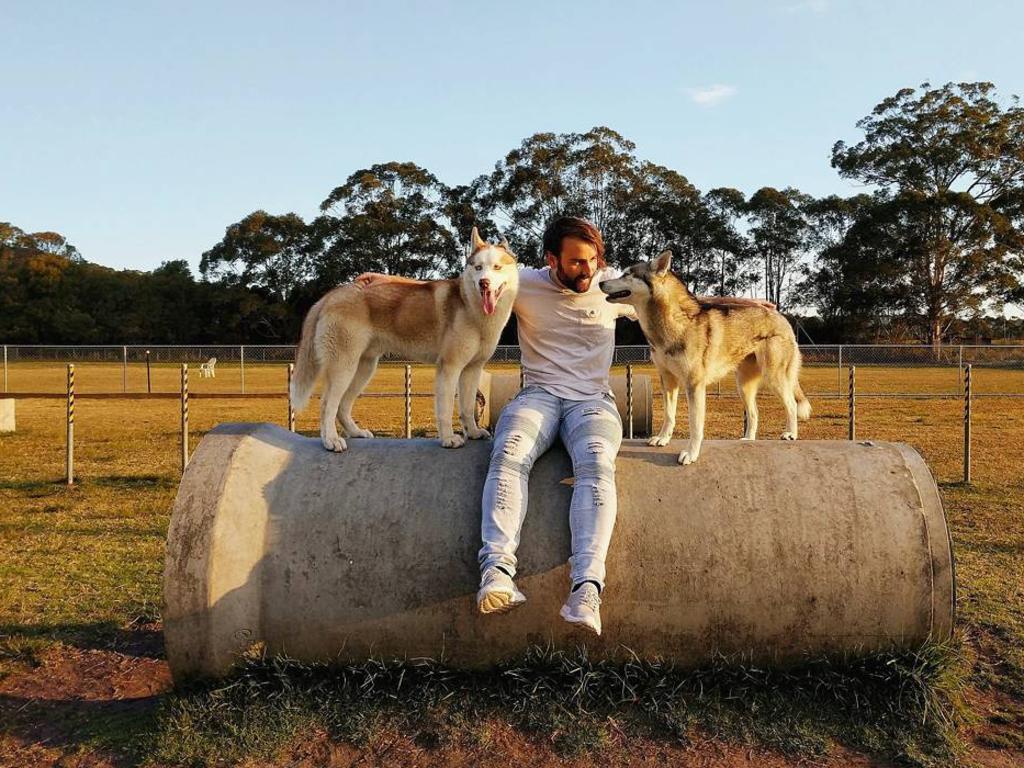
(892, 370)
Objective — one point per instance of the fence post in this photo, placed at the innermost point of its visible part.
(960, 366)
(852, 395)
(839, 372)
(149, 379)
(124, 369)
(184, 416)
(291, 411)
(629, 400)
(5, 367)
(241, 358)
(967, 424)
(408, 402)
(71, 424)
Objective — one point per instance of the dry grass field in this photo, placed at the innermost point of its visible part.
(82, 680)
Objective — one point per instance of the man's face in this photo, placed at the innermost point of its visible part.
(576, 266)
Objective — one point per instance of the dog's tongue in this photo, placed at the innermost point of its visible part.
(488, 299)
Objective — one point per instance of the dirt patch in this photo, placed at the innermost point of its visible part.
(56, 712)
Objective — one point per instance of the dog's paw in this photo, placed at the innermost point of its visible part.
(477, 433)
(787, 436)
(659, 440)
(455, 441)
(336, 443)
(361, 433)
(686, 458)
(748, 439)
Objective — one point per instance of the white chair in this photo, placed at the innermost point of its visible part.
(209, 368)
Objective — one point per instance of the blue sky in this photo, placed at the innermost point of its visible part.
(141, 130)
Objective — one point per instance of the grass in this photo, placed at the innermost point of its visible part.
(905, 706)
(82, 565)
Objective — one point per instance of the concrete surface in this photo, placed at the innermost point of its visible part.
(7, 415)
(499, 388)
(770, 548)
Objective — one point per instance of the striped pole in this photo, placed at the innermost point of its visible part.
(408, 402)
(71, 425)
(184, 416)
(291, 410)
(124, 369)
(967, 424)
(852, 395)
(629, 400)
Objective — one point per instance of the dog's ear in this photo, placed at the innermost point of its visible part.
(504, 244)
(475, 242)
(663, 262)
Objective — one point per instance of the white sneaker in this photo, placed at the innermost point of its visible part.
(498, 592)
(583, 607)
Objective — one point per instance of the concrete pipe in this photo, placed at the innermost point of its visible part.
(7, 423)
(504, 386)
(768, 548)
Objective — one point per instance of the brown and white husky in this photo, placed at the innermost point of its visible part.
(695, 342)
(453, 324)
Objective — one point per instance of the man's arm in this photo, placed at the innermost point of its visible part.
(367, 279)
(735, 301)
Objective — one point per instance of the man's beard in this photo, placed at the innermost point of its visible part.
(580, 284)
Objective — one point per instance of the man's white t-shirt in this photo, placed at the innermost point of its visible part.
(567, 338)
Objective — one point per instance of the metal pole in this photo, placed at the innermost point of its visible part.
(149, 378)
(71, 424)
(291, 411)
(124, 369)
(960, 365)
(5, 367)
(852, 395)
(408, 402)
(184, 416)
(629, 400)
(241, 357)
(839, 372)
(967, 425)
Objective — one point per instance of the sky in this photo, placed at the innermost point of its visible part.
(141, 130)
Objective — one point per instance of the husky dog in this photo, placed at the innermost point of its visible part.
(453, 324)
(697, 342)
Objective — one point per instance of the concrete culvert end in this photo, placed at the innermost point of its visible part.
(775, 550)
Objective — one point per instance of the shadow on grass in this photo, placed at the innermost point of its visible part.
(903, 707)
(141, 640)
(117, 730)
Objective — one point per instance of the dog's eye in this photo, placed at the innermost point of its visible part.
(497, 267)
(478, 267)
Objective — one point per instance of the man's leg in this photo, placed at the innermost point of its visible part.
(592, 433)
(527, 427)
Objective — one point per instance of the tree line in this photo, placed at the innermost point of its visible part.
(932, 248)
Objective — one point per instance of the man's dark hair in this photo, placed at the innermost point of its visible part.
(571, 226)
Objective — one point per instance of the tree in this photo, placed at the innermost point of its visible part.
(390, 218)
(590, 174)
(951, 163)
(778, 234)
(261, 250)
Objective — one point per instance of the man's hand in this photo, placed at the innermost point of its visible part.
(735, 301)
(367, 279)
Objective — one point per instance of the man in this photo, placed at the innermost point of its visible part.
(567, 339)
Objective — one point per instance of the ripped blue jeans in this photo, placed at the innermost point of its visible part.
(591, 431)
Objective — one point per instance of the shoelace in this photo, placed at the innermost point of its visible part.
(590, 598)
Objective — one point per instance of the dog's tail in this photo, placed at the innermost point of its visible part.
(803, 405)
(307, 364)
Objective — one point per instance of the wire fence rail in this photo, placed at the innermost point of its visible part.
(948, 363)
